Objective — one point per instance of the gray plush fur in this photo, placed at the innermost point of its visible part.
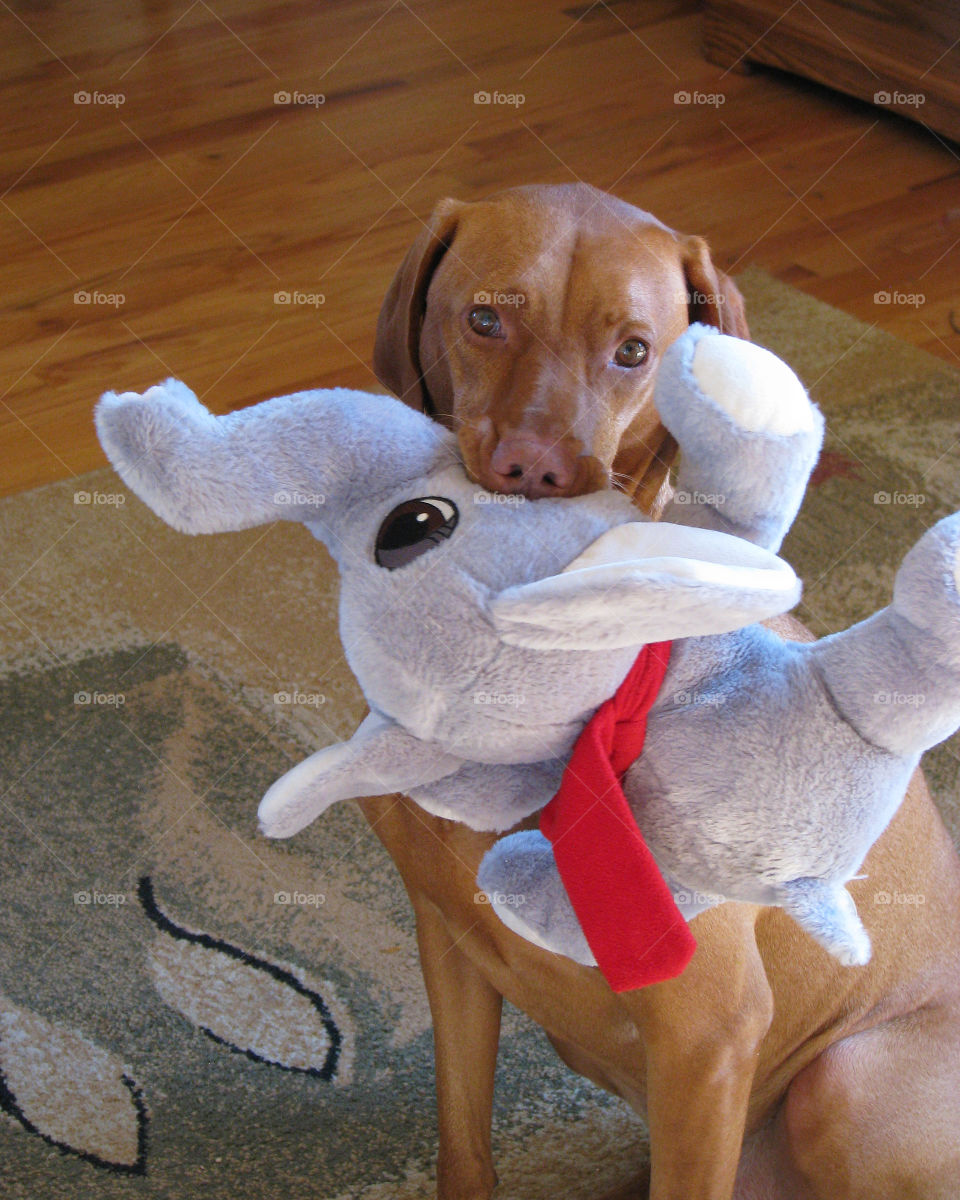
(770, 768)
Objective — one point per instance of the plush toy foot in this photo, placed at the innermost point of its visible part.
(748, 434)
(521, 880)
(827, 912)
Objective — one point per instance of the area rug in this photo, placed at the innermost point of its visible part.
(188, 1010)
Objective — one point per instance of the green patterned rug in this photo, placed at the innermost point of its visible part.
(189, 1010)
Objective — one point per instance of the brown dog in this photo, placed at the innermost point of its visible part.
(766, 1071)
(532, 324)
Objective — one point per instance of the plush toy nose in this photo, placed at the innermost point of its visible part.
(533, 467)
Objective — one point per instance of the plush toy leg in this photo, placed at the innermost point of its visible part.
(827, 912)
(748, 434)
(521, 880)
(896, 676)
(380, 757)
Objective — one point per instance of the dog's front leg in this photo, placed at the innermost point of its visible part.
(702, 1032)
(466, 1032)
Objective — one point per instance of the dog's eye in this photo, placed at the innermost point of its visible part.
(484, 320)
(413, 528)
(630, 353)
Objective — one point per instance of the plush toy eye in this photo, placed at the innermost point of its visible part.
(484, 320)
(413, 528)
(630, 353)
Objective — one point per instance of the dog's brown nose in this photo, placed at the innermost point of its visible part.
(532, 466)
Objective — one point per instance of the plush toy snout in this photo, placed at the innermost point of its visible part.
(642, 582)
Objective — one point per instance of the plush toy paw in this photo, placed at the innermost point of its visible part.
(748, 433)
(520, 878)
(297, 798)
(745, 388)
(827, 912)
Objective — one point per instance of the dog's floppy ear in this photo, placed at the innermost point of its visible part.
(714, 299)
(396, 351)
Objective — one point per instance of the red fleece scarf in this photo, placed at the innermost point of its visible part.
(626, 911)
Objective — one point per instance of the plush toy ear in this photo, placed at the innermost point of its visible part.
(647, 582)
(297, 457)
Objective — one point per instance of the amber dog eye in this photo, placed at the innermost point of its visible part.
(630, 353)
(413, 528)
(484, 320)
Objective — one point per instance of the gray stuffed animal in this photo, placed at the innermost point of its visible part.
(486, 632)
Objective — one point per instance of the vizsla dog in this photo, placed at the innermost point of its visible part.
(532, 324)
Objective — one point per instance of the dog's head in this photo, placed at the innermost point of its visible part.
(532, 324)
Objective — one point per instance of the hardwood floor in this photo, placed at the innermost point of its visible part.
(158, 198)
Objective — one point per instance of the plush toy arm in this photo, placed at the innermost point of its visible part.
(380, 757)
(291, 457)
(748, 434)
(895, 677)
